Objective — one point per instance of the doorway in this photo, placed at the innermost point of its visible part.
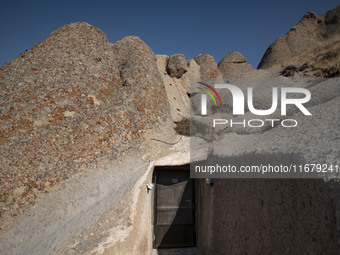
(174, 207)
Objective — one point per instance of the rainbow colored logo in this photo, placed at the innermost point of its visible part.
(209, 93)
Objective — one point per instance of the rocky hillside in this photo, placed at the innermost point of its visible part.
(311, 48)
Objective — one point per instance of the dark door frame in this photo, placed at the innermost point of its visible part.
(154, 199)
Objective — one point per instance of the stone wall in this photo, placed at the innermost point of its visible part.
(264, 216)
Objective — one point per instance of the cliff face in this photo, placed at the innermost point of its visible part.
(314, 40)
(73, 102)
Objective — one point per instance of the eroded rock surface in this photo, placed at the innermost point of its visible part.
(176, 65)
(208, 66)
(72, 102)
(235, 65)
(312, 38)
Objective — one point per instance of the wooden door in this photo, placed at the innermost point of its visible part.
(174, 223)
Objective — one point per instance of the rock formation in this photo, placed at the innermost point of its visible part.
(74, 101)
(208, 66)
(314, 40)
(235, 65)
(178, 87)
(176, 65)
(83, 123)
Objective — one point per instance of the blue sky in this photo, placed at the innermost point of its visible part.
(168, 27)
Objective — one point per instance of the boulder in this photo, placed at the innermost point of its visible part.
(234, 57)
(234, 65)
(177, 65)
(208, 66)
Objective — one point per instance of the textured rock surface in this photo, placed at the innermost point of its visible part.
(176, 65)
(76, 103)
(82, 209)
(208, 66)
(268, 217)
(308, 35)
(72, 102)
(235, 65)
(234, 57)
(178, 90)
